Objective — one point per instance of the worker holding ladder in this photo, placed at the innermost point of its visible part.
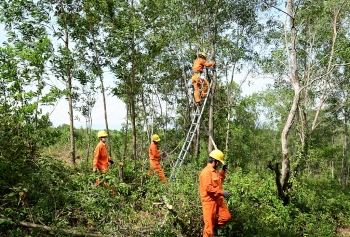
(198, 78)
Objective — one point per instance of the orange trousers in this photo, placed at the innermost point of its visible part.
(215, 214)
(157, 168)
(197, 83)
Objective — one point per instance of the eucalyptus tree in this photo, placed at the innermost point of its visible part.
(85, 103)
(181, 44)
(307, 68)
(64, 13)
(87, 33)
(124, 29)
(293, 74)
(318, 61)
(345, 111)
(338, 108)
(223, 29)
(239, 46)
(23, 61)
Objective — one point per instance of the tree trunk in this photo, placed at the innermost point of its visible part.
(126, 132)
(197, 143)
(293, 69)
(212, 37)
(89, 126)
(145, 125)
(282, 182)
(229, 88)
(344, 173)
(132, 93)
(69, 87)
(284, 140)
(102, 90)
(211, 113)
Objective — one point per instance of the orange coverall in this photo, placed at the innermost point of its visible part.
(101, 163)
(215, 211)
(101, 157)
(197, 69)
(154, 156)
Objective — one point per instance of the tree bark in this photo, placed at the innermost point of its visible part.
(126, 132)
(344, 173)
(132, 93)
(293, 75)
(102, 90)
(69, 86)
(89, 128)
(212, 36)
(197, 143)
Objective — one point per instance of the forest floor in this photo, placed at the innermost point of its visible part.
(344, 232)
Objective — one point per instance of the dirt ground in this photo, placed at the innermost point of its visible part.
(344, 232)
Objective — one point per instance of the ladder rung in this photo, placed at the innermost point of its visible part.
(196, 117)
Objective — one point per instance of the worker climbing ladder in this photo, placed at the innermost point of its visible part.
(189, 137)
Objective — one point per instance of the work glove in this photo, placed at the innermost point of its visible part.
(164, 154)
(225, 167)
(94, 169)
(227, 195)
(112, 162)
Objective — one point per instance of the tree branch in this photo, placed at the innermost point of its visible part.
(278, 9)
(47, 228)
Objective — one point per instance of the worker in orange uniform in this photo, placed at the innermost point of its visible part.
(154, 156)
(198, 79)
(101, 158)
(215, 211)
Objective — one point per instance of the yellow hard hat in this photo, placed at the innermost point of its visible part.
(102, 133)
(217, 155)
(203, 54)
(155, 138)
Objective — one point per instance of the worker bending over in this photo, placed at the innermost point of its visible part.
(154, 156)
(215, 211)
(198, 79)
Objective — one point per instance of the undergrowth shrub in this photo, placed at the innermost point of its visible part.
(315, 210)
(47, 191)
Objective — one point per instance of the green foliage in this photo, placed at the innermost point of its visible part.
(149, 47)
(55, 194)
(316, 207)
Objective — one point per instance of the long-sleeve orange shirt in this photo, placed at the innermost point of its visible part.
(101, 157)
(153, 152)
(199, 63)
(210, 184)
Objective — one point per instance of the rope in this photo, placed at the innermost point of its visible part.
(175, 147)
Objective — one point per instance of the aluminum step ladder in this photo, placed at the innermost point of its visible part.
(190, 135)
